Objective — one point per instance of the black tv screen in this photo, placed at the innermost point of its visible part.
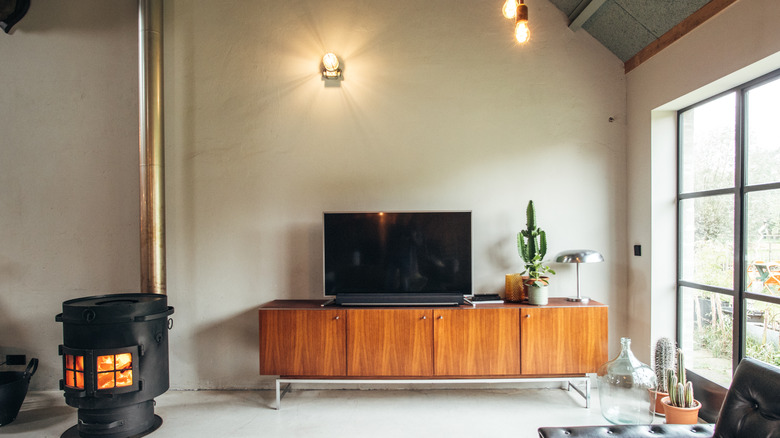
(397, 257)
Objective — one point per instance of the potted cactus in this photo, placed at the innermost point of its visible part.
(665, 350)
(532, 247)
(679, 406)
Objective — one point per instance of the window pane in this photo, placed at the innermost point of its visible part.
(763, 331)
(105, 363)
(707, 333)
(763, 242)
(124, 361)
(763, 139)
(707, 145)
(105, 380)
(707, 240)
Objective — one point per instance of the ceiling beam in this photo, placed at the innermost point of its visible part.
(711, 9)
(583, 14)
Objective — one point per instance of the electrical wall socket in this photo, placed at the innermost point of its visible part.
(15, 359)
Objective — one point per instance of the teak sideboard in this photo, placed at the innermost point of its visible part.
(300, 340)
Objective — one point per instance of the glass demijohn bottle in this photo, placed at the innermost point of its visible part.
(624, 388)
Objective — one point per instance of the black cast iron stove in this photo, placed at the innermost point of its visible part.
(115, 362)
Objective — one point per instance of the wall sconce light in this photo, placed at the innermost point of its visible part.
(330, 67)
(519, 12)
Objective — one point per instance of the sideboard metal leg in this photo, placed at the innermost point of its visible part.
(584, 393)
(587, 389)
(567, 383)
(278, 398)
(280, 395)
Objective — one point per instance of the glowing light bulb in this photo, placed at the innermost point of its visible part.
(510, 9)
(522, 33)
(330, 62)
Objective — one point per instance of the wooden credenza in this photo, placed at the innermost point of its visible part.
(302, 339)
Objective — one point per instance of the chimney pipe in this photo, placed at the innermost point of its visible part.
(151, 147)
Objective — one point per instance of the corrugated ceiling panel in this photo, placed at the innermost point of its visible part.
(567, 6)
(626, 26)
(658, 16)
(618, 31)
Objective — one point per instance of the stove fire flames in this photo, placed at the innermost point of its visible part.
(115, 362)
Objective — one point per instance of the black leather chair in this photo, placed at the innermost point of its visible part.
(751, 409)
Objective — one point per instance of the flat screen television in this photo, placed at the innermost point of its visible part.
(397, 258)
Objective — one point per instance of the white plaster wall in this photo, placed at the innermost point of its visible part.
(68, 168)
(439, 110)
(739, 44)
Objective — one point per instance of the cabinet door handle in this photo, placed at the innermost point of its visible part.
(527, 315)
(441, 317)
(424, 317)
(337, 317)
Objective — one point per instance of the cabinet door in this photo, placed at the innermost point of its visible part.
(476, 342)
(303, 342)
(389, 342)
(563, 340)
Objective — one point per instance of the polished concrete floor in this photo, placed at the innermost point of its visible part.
(512, 412)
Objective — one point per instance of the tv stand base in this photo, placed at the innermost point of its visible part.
(568, 383)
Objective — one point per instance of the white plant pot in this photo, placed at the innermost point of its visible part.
(537, 295)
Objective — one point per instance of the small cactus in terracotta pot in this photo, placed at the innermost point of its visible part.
(680, 407)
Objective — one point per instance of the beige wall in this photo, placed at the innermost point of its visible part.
(437, 111)
(738, 45)
(68, 168)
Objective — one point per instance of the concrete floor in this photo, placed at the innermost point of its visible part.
(336, 413)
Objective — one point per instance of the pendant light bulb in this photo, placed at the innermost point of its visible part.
(510, 9)
(522, 32)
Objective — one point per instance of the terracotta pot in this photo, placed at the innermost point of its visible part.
(516, 290)
(657, 397)
(675, 415)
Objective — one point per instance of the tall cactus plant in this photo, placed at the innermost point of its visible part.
(664, 360)
(671, 379)
(533, 240)
(681, 377)
(680, 390)
(532, 247)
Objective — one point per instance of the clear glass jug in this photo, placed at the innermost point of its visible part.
(624, 388)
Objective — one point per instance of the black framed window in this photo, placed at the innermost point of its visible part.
(729, 229)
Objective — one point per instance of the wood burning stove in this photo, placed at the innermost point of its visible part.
(115, 362)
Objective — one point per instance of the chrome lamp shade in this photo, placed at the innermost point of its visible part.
(579, 256)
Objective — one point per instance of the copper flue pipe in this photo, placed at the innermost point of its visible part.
(151, 146)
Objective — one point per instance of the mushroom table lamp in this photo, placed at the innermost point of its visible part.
(579, 256)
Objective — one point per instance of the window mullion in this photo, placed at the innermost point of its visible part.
(705, 287)
(740, 234)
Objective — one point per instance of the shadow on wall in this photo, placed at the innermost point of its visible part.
(218, 362)
(49, 15)
(304, 261)
(13, 337)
